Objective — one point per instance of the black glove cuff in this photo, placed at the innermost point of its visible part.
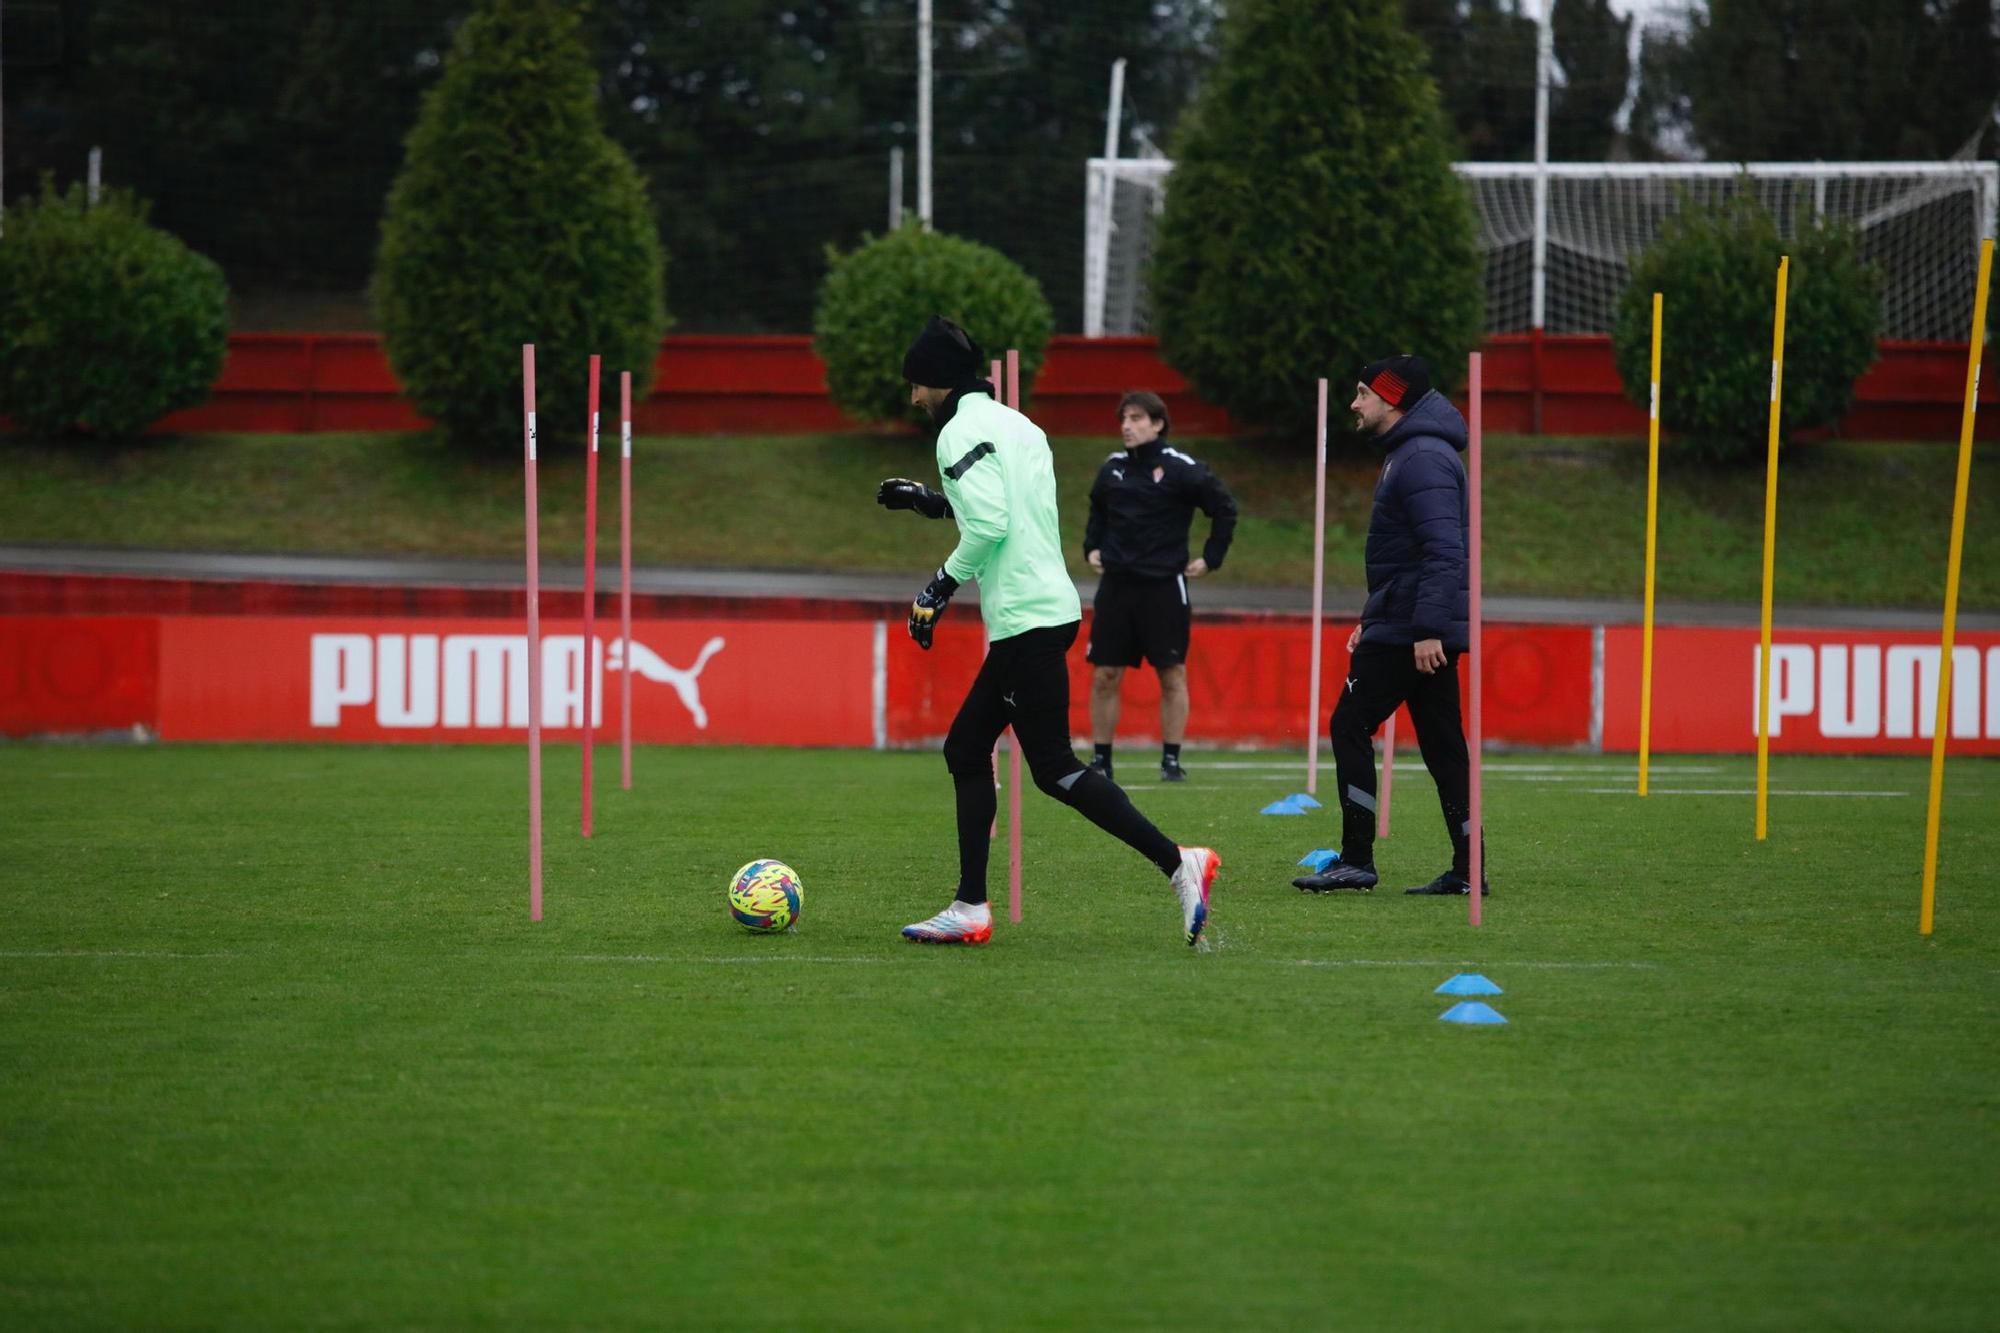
(943, 582)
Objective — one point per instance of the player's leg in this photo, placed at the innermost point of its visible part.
(1038, 686)
(1173, 721)
(1112, 648)
(1378, 679)
(1105, 683)
(1434, 708)
(968, 754)
(1165, 642)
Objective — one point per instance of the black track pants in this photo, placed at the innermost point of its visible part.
(1024, 684)
(1380, 677)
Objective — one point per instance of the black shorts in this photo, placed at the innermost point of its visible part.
(1139, 620)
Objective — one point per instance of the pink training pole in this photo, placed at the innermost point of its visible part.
(1474, 657)
(589, 591)
(1014, 742)
(1319, 601)
(625, 575)
(1388, 778)
(993, 828)
(534, 645)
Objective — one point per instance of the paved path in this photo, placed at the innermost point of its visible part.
(419, 571)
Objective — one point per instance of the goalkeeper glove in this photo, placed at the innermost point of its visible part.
(902, 493)
(930, 604)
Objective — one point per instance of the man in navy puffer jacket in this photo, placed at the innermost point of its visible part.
(1415, 626)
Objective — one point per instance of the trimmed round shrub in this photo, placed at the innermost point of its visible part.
(1313, 222)
(107, 323)
(1717, 270)
(516, 220)
(876, 298)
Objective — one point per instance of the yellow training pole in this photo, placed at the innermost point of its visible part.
(1951, 583)
(1770, 558)
(1652, 530)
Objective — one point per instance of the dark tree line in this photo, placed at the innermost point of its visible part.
(1483, 57)
(1798, 80)
(267, 133)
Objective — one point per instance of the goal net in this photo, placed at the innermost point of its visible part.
(1920, 221)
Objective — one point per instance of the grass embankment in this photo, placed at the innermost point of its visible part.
(1858, 524)
(283, 1050)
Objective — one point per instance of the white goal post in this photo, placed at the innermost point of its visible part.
(1921, 221)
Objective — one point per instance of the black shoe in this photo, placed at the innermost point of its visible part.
(1354, 877)
(1451, 884)
(1102, 767)
(1171, 771)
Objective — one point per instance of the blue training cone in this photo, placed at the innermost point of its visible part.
(1319, 858)
(1288, 806)
(1470, 1011)
(1469, 983)
(1304, 801)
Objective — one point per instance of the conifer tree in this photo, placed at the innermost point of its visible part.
(1313, 221)
(516, 220)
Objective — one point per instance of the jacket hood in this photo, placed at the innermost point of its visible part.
(1431, 415)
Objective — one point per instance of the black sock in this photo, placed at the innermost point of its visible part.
(1100, 754)
(1105, 804)
(976, 807)
(1357, 834)
(1170, 756)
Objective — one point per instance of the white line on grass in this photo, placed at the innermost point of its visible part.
(1447, 962)
(744, 958)
(1490, 766)
(105, 953)
(1733, 791)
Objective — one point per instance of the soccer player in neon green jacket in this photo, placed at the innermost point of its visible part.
(1000, 488)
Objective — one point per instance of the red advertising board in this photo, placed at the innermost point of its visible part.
(72, 675)
(727, 682)
(1832, 691)
(1249, 683)
(860, 682)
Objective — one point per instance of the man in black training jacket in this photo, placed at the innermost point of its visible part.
(1415, 626)
(1141, 508)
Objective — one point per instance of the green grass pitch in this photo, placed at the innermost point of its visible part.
(280, 1048)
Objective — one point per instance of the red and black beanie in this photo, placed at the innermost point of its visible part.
(1397, 380)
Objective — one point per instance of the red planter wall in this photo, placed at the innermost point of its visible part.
(776, 385)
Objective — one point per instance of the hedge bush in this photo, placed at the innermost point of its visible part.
(515, 220)
(1313, 221)
(876, 298)
(1717, 270)
(107, 323)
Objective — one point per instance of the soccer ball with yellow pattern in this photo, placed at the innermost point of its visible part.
(766, 896)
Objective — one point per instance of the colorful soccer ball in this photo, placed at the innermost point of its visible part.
(766, 895)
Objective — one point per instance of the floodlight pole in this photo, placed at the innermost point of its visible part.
(924, 113)
(895, 187)
(1117, 108)
(1097, 224)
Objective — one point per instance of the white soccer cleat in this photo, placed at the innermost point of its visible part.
(960, 923)
(1191, 885)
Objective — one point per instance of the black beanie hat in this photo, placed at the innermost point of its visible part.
(1397, 380)
(943, 356)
